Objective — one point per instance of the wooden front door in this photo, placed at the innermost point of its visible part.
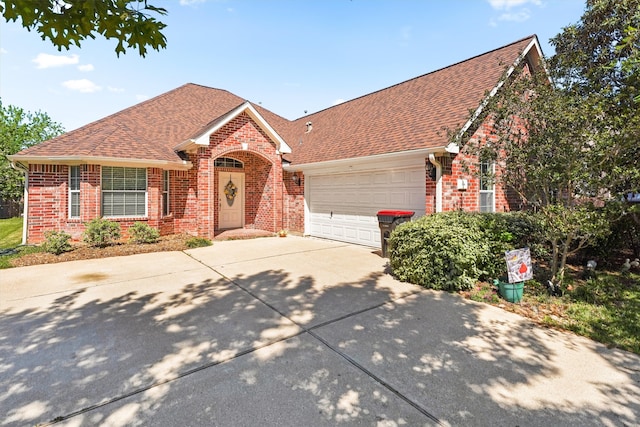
(230, 200)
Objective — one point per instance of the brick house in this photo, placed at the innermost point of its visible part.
(197, 160)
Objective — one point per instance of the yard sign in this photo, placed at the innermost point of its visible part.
(519, 265)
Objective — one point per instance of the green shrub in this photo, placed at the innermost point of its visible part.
(101, 232)
(198, 242)
(436, 251)
(141, 232)
(454, 250)
(623, 239)
(56, 242)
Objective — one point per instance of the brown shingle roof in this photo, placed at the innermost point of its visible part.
(149, 130)
(407, 116)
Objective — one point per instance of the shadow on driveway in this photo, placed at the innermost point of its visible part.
(280, 347)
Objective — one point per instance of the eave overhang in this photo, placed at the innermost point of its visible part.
(202, 139)
(103, 161)
(409, 158)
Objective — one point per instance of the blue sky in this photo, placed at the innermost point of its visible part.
(290, 56)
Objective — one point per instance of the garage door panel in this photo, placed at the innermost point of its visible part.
(399, 177)
(364, 179)
(344, 206)
(350, 232)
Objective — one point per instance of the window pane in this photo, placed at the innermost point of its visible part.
(227, 162)
(485, 171)
(486, 201)
(165, 180)
(75, 204)
(74, 178)
(165, 204)
(124, 191)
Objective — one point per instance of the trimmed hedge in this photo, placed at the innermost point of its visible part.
(453, 250)
(56, 242)
(142, 233)
(100, 232)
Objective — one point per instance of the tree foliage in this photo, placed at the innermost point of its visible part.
(567, 137)
(71, 22)
(598, 60)
(20, 129)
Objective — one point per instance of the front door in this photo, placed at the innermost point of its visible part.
(230, 200)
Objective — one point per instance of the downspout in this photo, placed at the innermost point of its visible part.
(25, 209)
(438, 166)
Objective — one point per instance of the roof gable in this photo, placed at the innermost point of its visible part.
(149, 130)
(201, 138)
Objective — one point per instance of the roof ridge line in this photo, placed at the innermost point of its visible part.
(421, 75)
(116, 127)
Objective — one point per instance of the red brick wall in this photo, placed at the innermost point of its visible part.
(293, 202)
(198, 199)
(49, 202)
(193, 193)
(465, 166)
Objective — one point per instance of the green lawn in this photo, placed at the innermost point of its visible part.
(10, 232)
(11, 238)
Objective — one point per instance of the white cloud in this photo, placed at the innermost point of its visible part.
(508, 4)
(141, 98)
(85, 67)
(83, 85)
(44, 60)
(3, 50)
(520, 16)
(115, 89)
(190, 2)
(338, 101)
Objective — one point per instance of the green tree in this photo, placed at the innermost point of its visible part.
(544, 151)
(568, 137)
(70, 22)
(598, 59)
(20, 129)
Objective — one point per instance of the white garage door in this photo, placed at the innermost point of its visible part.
(343, 206)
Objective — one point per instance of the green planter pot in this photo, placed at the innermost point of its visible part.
(512, 292)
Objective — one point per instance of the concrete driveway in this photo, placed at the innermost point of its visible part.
(290, 331)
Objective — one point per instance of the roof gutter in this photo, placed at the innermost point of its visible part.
(103, 161)
(405, 158)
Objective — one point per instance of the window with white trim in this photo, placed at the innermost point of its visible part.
(228, 162)
(165, 193)
(124, 191)
(74, 192)
(487, 187)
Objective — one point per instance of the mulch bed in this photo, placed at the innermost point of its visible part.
(176, 242)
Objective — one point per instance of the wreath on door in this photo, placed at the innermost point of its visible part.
(230, 191)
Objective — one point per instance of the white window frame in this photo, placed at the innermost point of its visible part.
(74, 189)
(124, 192)
(166, 201)
(490, 189)
(228, 162)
